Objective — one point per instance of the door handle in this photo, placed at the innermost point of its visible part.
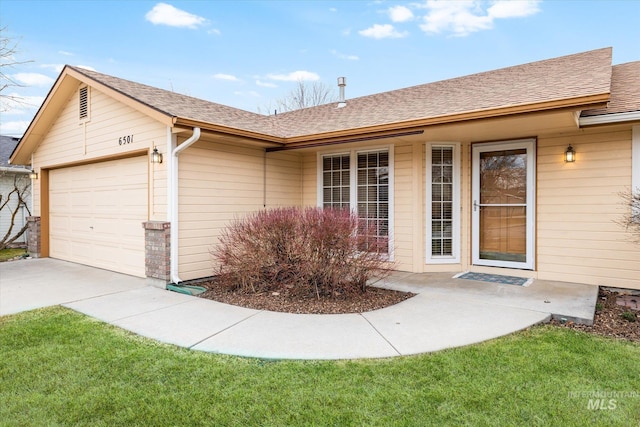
(475, 205)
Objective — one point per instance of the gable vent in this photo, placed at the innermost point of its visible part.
(84, 102)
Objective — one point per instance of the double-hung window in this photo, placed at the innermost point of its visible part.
(443, 198)
(361, 181)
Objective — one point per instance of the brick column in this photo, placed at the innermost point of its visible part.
(157, 249)
(33, 236)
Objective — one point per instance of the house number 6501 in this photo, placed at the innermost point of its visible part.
(125, 140)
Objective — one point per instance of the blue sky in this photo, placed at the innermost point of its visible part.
(247, 54)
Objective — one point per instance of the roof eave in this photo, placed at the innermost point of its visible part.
(579, 103)
(211, 127)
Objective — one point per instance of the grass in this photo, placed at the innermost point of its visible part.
(58, 367)
(7, 254)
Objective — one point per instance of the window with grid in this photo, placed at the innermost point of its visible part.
(371, 186)
(442, 201)
(373, 194)
(336, 181)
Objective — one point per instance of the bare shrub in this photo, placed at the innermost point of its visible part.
(631, 219)
(301, 251)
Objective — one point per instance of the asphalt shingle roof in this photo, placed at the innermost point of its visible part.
(178, 105)
(625, 91)
(572, 76)
(568, 77)
(7, 145)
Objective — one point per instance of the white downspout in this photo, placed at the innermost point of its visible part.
(173, 207)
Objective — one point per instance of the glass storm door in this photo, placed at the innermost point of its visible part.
(503, 197)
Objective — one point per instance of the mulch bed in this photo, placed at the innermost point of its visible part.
(610, 316)
(372, 299)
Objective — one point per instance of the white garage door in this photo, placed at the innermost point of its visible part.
(96, 213)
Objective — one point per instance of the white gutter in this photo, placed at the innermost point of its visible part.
(609, 118)
(173, 196)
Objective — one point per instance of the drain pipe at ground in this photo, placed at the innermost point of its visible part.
(173, 201)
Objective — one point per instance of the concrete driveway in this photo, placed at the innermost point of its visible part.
(445, 313)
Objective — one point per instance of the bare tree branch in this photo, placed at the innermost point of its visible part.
(8, 52)
(304, 95)
(631, 219)
(11, 204)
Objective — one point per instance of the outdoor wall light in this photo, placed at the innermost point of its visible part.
(569, 155)
(155, 156)
(33, 175)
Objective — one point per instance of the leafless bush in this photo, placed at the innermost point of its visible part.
(631, 219)
(302, 251)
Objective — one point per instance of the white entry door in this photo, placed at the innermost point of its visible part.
(503, 194)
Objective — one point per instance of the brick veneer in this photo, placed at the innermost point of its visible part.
(157, 249)
(33, 236)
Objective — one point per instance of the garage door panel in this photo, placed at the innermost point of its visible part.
(96, 214)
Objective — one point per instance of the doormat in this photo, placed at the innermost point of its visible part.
(494, 278)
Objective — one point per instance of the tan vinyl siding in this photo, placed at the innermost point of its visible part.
(284, 179)
(310, 179)
(405, 193)
(578, 205)
(71, 141)
(221, 182)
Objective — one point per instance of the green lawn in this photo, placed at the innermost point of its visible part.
(58, 367)
(7, 254)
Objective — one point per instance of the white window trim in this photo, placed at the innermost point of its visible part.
(455, 257)
(635, 158)
(353, 176)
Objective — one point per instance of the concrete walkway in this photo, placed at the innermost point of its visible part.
(446, 313)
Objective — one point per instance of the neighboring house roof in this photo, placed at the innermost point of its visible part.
(7, 145)
(625, 91)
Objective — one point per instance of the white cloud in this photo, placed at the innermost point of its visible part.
(464, 17)
(85, 67)
(228, 77)
(214, 31)
(344, 56)
(165, 14)
(55, 67)
(386, 31)
(32, 79)
(65, 53)
(295, 76)
(265, 84)
(513, 9)
(400, 14)
(16, 128)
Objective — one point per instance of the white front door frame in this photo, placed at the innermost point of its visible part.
(477, 149)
